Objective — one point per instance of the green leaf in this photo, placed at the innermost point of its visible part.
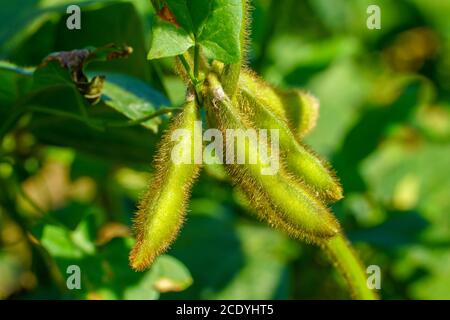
(168, 40)
(124, 96)
(15, 20)
(190, 14)
(103, 23)
(219, 36)
(133, 98)
(29, 29)
(71, 215)
(58, 243)
(215, 25)
(51, 75)
(134, 145)
(170, 275)
(75, 62)
(127, 95)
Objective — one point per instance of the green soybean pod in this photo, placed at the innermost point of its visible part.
(302, 110)
(274, 219)
(162, 208)
(312, 171)
(298, 108)
(277, 197)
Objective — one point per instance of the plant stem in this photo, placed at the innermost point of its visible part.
(348, 264)
(195, 81)
(187, 67)
(196, 60)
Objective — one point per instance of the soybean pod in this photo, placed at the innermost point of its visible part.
(162, 208)
(298, 108)
(314, 173)
(277, 198)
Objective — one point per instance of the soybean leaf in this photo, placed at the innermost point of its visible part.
(123, 97)
(170, 275)
(127, 95)
(20, 19)
(220, 34)
(215, 25)
(132, 145)
(133, 98)
(51, 75)
(168, 40)
(116, 22)
(15, 18)
(47, 32)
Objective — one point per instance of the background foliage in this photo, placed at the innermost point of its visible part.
(68, 190)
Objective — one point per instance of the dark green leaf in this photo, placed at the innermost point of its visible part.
(133, 98)
(220, 34)
(215, 25)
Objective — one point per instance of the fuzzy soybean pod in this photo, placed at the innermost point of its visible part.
(314, 173)
(276, 197)
(162, 208)
(298, 108)
(302, 110)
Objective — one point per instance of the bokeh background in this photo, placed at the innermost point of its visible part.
(68, 193)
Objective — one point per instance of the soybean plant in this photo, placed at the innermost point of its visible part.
(208, 40)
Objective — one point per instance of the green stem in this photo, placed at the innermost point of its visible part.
(195, 81)
(187, 68)
(349, 265)
(196, 60)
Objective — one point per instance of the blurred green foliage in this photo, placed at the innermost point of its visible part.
(68, 190)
